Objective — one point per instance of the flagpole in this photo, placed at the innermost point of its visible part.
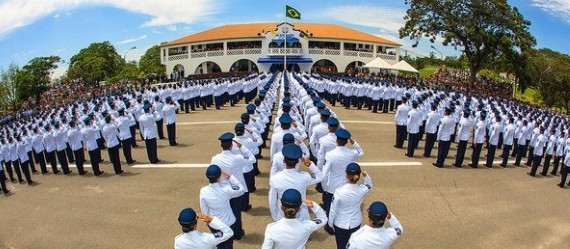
(285, 55)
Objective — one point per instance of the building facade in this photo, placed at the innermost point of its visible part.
(263, 47)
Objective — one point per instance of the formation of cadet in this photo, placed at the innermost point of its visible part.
(329, 161)
(59, 136)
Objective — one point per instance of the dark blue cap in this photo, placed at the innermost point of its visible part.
(467, 112)
(213, 171)
(168, 98)
(326, 113)
(320, 105)
(251, 107)
(378, 209)
(228, 136)
(286, 105)
(285, 119)
(121, 111)
(353, 168)
(292, 151)
(288, 138)
(244, 116)
(342, 134)
(332, 121)
(291, 197)
(239, 127)
(187, 216)
(146, 106)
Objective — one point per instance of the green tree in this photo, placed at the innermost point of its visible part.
(548, 71)
(483, 29)
(96, 63)
(34, 78)
(8, 90)
(150, 62)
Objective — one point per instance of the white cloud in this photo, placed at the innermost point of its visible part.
(386, 19)
(558, 8)
(131, 40)
(56, 16)
(19, 13)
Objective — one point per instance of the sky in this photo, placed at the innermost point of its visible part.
(32, 28)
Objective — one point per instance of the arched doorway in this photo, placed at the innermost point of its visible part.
(324, 66)
(177, 72)
(355, 67)
(278, 67)
(244, 65)
(208, 67)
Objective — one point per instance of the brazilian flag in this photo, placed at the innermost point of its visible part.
(292, 12)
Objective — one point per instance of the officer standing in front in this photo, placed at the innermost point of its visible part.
(191, 238)
(373, 234)
(290, 232)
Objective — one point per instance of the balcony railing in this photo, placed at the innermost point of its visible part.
(244, 51)
(285, 51)
(388, 57)
(178, 57)
(318, 51)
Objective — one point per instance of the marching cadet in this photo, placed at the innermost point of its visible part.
(478, 140)
(148, 131)
(24, 160)
(345, 215)
(111, 135)
(538, 152)
(75, 140)
(565, 166)
(38, 149)
(191, 238)
(215, 200)
(169, 112)
(463, 134)
(278, 165)
(159, 116)
(559, 154)
(508, 140)
(60, 139)
(125, 135)
(12, 163)
(292, 178)
(522, 143)
(319, 131)
(3, 179)
(373, 234)
(290, 232)
(533, 135)
(248, 169)
(29, 149)
(334, 170)
(549, 152)
(277, 137)
(401, 120)
(413, 123)
(234, 164)
(90, 133)
(494, 135)
(432, 122)
(444, 133)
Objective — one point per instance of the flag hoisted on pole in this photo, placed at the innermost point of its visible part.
(292, 13)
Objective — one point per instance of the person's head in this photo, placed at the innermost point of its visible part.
(285, 121)
(353, 172)
(288, 138)
(226, 140)
(333, 124)
(466, 113)
(447, 111)
(342, 136)
(291, 201)
(244, 118)
(239, 129)
(377, 213)
(325, 115)
(188, 220)
(251, 108)
(291, 153)
(213, 173)
(146, 108)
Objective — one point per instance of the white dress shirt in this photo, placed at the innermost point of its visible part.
(234, 163)
(336, 161)
(345, 208)
(378, 238)
(215, 199)
(198, 240)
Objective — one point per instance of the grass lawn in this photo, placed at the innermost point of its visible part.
(428, 71)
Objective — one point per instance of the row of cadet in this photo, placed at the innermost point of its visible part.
(301, 113)
(59, 136)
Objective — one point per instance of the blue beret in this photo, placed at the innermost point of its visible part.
(291, 197)
(326, 113)
(244, 116)
(378, 209)
(285, 119)
(228, 136)
(250, 107)
(353, 168)
(332, 121)
(286, 99)
(286, 105)
(213, 171)
(239, 127)
(146, 106)
(288, 138)
(292, 151)
(342, 134)
(187, 216)
(320, 105)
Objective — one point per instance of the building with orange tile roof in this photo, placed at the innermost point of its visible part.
(262, 47)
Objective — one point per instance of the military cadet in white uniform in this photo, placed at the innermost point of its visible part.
(494, 135)
(3, 178)
(38, 149)
(549, 152)
(559, 153)
(432, 122)
(565, 165)
(149, 133)
(445, 130)
(125, 136)
(401, 120)
(248, 170)
(374, 234)
(75, 139)
(478, 139)
(538, 151)
(90, 133)
(169, 113)
(334, 169)
(508, 140)
(413, 123)
(111, 135)
(60, 140)
(292, 178)
(345, 215)
(522, 143)
(190, 238)
(290, 232)
(463, 134)
(215, 200)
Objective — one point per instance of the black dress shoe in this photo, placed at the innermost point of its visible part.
(561, 185)
(553, 173)
(329, 230)
(437, 165)
(82, 172)
(247, 208)
(543, 174)
(396, 146)
(7, 192)
(516, 165)
(240, 235)
(120, 172)
(133, 162)
(68, 172)
(472, 165)
(99, 173)
(503, 165)
(528, 173)
(56, 172)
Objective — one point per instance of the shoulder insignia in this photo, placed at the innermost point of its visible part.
(398, 231)
(368, 186)
(218, 234)
(235, 187)
(317, 221)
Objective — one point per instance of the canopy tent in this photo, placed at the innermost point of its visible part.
(379, 64)
(404, 66)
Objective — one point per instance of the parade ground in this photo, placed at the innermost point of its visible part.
(438, 208)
